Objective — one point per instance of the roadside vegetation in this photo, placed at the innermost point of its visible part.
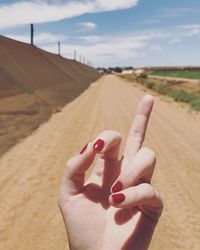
(188, 93)
(179, 74)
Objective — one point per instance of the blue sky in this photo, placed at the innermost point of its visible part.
(110, 33)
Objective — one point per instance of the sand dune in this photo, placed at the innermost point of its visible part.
(30, 172)
(33, 81)
(29, 68)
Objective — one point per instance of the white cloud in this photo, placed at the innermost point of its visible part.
(114, 4)
(178, 12)
(91, 39)
(48, 38)
(177, 34)
(190, 30)
(87, 25)
(39, 38)
(105, 50)
(175, 40)
(156, 48)
(119, 48)
(36, 11)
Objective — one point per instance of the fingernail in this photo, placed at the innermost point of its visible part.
(117, 187)
(118, 198)
(83, 149)
(99, 144)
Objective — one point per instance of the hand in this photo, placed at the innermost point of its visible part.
(116, 208)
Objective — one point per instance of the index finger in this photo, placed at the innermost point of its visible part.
(138, 129)
(110, 141)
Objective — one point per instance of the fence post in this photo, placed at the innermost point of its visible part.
(59, 48)
(32, 33)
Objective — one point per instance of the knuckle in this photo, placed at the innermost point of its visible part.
(69, 166)
(136, 134)
(115, 133)
(110, 131)
(69, 163)
(158, 200)
(110, 135)
(119, 134)
(156, 196)
(154, 193)
(150, 154)
(118, 137)
(72, 161)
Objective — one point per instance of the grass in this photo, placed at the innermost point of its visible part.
(175, 91)
(178, 94)
(192, 99)
(179, 74)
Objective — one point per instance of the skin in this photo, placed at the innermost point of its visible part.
(93, 220)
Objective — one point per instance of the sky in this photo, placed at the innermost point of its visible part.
(110, 33)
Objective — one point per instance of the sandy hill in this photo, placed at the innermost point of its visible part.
(25, 67)
(32, 83)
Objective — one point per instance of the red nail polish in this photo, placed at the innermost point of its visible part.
(83, 149)
(118, 198)
(117, 187)
(98, 146)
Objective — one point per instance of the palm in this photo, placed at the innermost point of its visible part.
(99, 215)
(91, 218)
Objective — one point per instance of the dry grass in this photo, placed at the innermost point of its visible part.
(180, 91)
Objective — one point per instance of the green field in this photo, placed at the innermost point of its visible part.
(179, 74)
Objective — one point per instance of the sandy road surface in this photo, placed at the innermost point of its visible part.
(30, 172)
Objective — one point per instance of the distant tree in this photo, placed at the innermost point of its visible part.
(118, 70)
(141, 76)
(129, 68)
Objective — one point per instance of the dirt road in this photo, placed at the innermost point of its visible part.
(30, 172)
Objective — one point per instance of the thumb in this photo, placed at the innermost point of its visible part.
(74, 173)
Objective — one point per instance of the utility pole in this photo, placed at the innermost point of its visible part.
(32, 34)
(83, 60)
(80, 58)
(75, 55)
(59, 48)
